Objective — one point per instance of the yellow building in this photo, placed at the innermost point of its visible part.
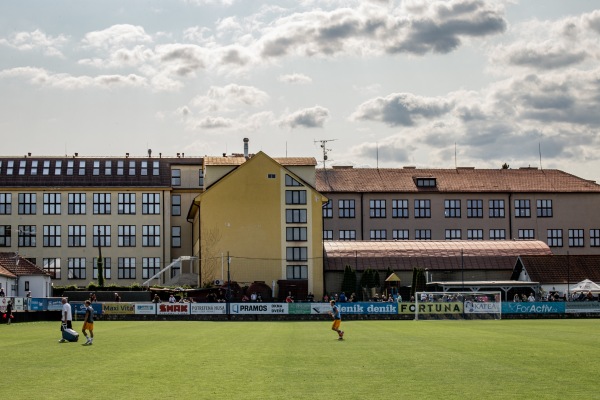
(266, 215)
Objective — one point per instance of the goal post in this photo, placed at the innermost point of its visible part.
(458, 305)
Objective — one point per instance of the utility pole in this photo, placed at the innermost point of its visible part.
(325, 149)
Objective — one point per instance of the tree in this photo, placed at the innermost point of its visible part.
(505, 166)
(100, 265)
(419, 281)
(349, 280)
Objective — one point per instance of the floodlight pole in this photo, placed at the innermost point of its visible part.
(228, 294)
(462, 269)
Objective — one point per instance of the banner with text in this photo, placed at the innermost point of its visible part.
(431, 308)
(258, 308)
(208, 308)
(533, 308)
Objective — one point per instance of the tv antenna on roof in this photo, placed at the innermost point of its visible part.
(325, 149)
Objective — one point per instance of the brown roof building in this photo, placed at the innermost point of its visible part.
(462, 204)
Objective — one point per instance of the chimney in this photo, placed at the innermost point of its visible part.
(246, 155)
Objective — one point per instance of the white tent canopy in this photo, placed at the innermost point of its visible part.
(586, 286)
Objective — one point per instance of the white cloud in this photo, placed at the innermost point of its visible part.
(36, 40)
(117, 36)
(401, 109)
(295, 78)
(313, 117)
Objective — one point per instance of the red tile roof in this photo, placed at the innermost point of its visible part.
(236, 160)
(434, 255)
(451, 180)
(560, 268)
(5, 272)
(23, 267)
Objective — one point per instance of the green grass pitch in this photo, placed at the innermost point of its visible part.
(508, 359)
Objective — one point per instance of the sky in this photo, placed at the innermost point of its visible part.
(431, 84)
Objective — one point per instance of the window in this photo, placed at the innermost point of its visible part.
(76, 268)
(175, 236)
(108, 168)
(327, 235)
(120, 167)
(52, 266)
(328, 209)
(422, 234)
(76, 203)
(150, 267)
(46, 168)
(474, 234)
(295, 197)
(76, 235)
(58, 167)
(126, 268)
(474, 208)
(422, 208)
(377, 208)
(347, 234)
(271, 176)
(155, 168)
(51, 235)
(126, 203)
(526, 234)
(452, 208)
(296, 253)
(5, 203)
(295, 216)
(176, 204)
(101, 235)
(27, 203)
(96, 168)
(201, 178)
(399, 208)
(150, 235)
(34, 167)
(106, 267)
(294, 234)
(81, 167)
(70, 166)
(576, 238)
(296, 272)
(144, 168)
(289, 181)
(150, 203)
(131, 168)
(497, 234)
(426, 182)
(522, 209)
(9, 167)
(555, 238)
(496, 208)
(101, 203)
(400, 234)
(378, 234)
(5, 235)
(594, 237)
(346, 208)
(22, 165)
(176, 177)
(453, 234)
(126, 235)
(544, 208)
(27, 236)
(51, 203)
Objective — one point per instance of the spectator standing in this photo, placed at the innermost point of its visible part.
(66, 317)
(8, 312)
(1, 292)
(117, 298)
(172, 299)
(156, 299)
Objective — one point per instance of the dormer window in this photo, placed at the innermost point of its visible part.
(425, 182)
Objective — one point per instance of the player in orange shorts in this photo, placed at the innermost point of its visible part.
(88, 323)
(337, 319)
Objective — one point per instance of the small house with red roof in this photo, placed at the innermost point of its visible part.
(18, 276)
